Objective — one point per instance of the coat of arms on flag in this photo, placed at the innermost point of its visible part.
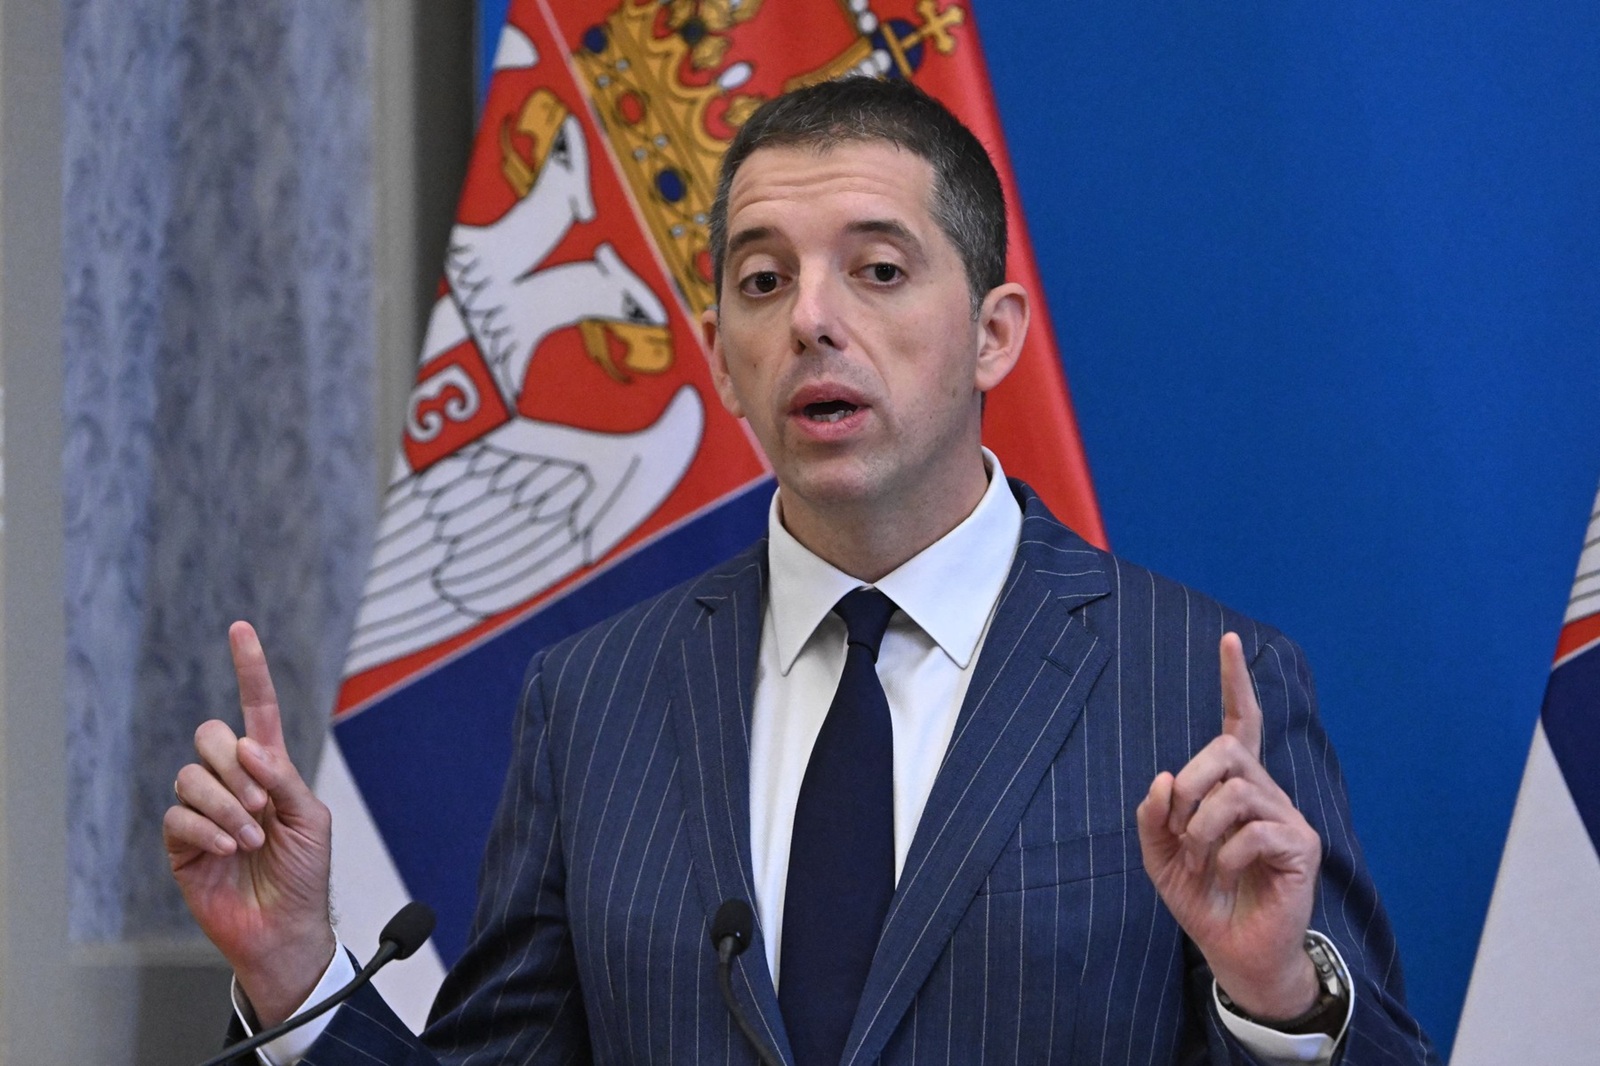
(564, 451)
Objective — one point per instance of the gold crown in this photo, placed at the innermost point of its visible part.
(657, 124)
(657, 128)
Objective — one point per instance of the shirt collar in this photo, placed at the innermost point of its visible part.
(949, 589)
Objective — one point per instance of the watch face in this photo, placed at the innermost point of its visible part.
(1327, 969)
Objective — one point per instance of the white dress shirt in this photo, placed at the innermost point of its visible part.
(946, 596)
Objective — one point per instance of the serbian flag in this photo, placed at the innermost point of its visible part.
(1536, 986)
(564, 452)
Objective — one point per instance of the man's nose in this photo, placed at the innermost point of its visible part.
(813, 323)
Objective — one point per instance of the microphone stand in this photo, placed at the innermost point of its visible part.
(403, 935)
(730, 935)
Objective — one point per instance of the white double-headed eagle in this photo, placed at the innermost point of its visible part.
(496, 522)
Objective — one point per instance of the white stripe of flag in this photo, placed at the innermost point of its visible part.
(1535, 991)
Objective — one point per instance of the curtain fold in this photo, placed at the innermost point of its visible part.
(219, 343)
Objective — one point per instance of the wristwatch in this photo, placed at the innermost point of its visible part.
(1327, 1014)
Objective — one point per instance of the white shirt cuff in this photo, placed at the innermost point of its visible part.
(292, 1046)
(1283, 1049)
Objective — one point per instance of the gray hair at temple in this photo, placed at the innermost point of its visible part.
(968, 202)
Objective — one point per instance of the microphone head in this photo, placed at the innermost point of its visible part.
(408, 929)
(733, 919)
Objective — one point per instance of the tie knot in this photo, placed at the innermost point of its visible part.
(866, 615)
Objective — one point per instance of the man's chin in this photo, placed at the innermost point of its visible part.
(842, 486)
(829, 496)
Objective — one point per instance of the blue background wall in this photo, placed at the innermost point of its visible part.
(1325, 282)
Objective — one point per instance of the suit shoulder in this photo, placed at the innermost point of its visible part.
(1170, 602)
(1131, 592)
(658, 616)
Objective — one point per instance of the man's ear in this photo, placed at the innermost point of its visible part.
(1002, 327)
(710, 330)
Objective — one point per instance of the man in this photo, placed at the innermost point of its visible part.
(961, 831)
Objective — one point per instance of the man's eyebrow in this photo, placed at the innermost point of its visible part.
(890, 228)
(869, 227)
(744, 237)
(887, 227)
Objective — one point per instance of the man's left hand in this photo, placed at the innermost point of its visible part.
(1235, 861)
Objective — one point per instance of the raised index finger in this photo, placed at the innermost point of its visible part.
(1241, 711)
(257, 698)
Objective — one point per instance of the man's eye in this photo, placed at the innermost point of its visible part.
(761, 283)
(884, 273)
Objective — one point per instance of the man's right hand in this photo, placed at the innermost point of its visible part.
(249, 846)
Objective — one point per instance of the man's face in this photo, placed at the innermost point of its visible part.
(845, 335)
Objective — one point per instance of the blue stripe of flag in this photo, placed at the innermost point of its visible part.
(430, 759)
(1571, 716)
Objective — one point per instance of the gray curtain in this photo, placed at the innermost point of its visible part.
(219, 341)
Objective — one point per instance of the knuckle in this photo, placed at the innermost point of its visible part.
(1235, 790)
(1200, 834)
(1257, 834)
(181, 826)
(190, 777)
(212, 733)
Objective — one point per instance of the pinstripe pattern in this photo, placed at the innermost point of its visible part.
(1023, 929)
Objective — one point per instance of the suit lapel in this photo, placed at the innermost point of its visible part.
(711, 726)
(1038, 663)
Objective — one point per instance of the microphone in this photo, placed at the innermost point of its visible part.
(731, 929)
(406, 932)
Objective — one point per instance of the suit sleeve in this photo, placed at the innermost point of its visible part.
(1300, 758)
(513, 996)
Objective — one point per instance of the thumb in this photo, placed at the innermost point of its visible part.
(272, 770)
(1156, 840)
(1241, 711)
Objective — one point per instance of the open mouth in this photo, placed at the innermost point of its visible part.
(829, 410)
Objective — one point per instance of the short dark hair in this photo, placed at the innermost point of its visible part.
(967, 201)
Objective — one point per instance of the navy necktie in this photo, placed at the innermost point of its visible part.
(841, 857)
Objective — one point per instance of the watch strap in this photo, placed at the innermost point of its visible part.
(1327, 1014)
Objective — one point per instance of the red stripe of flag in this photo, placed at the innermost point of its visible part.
(1576, 636)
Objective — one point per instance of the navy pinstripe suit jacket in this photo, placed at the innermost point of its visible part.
(1023, 929)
